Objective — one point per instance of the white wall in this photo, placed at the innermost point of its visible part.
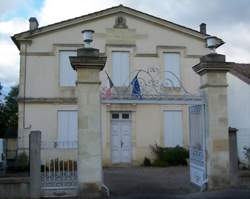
(239, 111)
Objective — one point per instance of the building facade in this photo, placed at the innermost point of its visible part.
(155, 53)
(238, 98)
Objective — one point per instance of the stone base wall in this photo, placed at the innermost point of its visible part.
(14, 187)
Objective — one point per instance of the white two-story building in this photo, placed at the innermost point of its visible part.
(158, 52)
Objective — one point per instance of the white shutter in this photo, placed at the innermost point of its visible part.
(120, 68)
(62, 126)
(67, 129)
(173, 128)
(172, 68)
(67, 74)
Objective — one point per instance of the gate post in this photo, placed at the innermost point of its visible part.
(213, 71)
(233, 155)
(88, 63)
(35, 164)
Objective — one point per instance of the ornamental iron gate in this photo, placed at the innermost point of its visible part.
(154, 86)
(197, 151)
(59, 169)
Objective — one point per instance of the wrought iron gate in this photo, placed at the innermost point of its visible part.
(197, 150)
(58, 169)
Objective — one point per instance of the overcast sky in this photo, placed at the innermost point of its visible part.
(227, 19)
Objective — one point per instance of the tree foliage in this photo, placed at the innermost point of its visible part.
(9, 110)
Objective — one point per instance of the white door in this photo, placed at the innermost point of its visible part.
(125, 141)
(116, 141)
(121, 138)
(173, 128)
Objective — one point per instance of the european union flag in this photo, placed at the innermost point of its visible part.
(136, 90)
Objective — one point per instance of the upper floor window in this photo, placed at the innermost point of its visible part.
(120, 68)
(67, 74)
(172, 67)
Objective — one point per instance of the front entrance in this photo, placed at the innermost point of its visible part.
(121, 137)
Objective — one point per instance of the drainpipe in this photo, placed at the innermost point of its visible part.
(24, 127)
(24, 88)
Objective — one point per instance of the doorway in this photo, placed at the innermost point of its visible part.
(121, 148)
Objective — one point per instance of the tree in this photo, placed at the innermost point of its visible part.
(2, 123)
(1, 89)
(9, 111)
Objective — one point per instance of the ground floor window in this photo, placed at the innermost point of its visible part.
(67, 129)
(173, 128)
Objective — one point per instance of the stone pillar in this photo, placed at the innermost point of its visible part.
(233, 155)
(213, 71)
(35, 164)
(88, 64)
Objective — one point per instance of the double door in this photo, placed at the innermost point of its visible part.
(121, 138)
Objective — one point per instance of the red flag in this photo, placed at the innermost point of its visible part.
(108, 91)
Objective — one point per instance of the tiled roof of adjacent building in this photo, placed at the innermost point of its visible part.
(242, 71)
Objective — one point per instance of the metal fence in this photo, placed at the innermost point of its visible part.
(58, 169)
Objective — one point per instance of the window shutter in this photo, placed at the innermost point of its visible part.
(67, 129)
(67, 74)
(120, 68)
(173, 128)
(172, 68)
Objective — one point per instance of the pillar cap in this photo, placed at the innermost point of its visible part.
(212, 62)
(232, 130)
(88, 58)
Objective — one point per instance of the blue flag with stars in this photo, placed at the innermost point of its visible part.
(136, 90)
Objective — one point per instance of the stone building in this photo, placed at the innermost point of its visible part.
(141, 49)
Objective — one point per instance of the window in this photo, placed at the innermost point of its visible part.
(125, 115)
(120, 68)
(67, 129)
(115, 115)
(121, 116)
(173, 128)
(172, 68)
(67, 74)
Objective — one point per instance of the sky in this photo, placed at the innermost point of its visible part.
(227, 19)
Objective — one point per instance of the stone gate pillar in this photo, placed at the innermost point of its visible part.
(213, 71)
(88, 64)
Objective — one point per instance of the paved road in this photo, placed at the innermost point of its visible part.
(226, 194)
(161, 183)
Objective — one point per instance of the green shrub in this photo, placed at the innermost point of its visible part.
(22, 162)
(170, 156)
(147, 162)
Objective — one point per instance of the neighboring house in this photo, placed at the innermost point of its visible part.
(239, 106)
(132, 41)
(8, 147)
(10, 142)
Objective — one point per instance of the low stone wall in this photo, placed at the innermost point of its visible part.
(14, 187)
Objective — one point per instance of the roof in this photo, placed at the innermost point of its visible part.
(242, 71)
(109, 11)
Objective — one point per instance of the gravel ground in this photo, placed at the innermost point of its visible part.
(161, 183)
(148, 180)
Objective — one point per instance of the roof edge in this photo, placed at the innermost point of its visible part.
(239, 71)
(94, 15)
